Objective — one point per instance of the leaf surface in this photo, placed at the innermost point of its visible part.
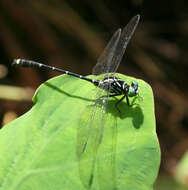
(43, 148)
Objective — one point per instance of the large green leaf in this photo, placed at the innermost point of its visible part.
(44, 148)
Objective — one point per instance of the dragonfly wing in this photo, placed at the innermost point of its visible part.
(105, 59)
(91, 127)
(106, 162)
(125, 37)
(111, 57)
(89, 138)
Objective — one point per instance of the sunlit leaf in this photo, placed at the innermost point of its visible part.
(43, 148)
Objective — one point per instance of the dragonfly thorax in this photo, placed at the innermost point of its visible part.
(114, 85)
(117, 86)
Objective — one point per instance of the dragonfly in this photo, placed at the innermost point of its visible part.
(111, 85)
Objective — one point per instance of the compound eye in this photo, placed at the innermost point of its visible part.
(131, 92)
(136, 91)
(134, 84)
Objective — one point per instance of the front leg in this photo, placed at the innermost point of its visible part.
(106, 96)
(110, 95)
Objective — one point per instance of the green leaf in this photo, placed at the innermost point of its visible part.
(45, 148)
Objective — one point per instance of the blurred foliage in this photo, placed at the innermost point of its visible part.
(166, 183)
(182, 170)
(72, 34)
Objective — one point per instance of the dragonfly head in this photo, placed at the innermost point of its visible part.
(133, 89)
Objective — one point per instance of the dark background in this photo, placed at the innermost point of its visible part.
(72, 34)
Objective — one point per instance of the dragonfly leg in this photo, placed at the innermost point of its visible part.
(127, 99)
(116, 105)
(110, 95)
(107, 96)
(113, 95)
(119, 101)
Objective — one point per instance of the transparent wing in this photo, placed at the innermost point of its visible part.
(106, 164)
(111, 57)
(91, 127)
(91, 131)
(103, 62)
(89, 137)
(92, 122)
(122, 44)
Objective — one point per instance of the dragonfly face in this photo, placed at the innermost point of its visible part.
(133, 89)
